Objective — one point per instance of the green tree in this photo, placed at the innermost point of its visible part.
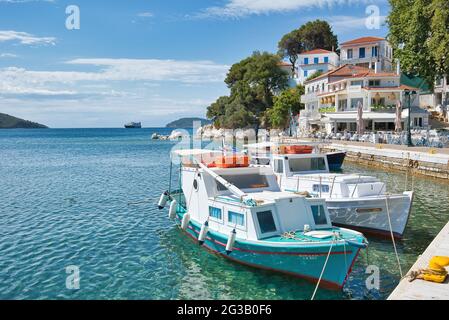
(316, 74)
(285, 104)
(253, 83)
(316, 34)
(419, 33)
(290, 46)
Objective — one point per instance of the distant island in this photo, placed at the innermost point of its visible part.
(10, 122)
(187, 123)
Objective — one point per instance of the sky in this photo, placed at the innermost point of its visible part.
(152, 61)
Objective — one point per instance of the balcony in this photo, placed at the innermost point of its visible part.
(309, 97)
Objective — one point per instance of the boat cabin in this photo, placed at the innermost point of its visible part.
(249, 200)
(310, 173)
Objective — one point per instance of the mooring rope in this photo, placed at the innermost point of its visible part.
(392, 237)
(324, 268)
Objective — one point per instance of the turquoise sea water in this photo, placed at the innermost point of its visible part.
(77, 197)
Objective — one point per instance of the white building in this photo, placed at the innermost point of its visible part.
(366, 51)
(313, 61)
(331, 100)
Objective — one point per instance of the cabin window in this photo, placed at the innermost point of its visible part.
(278, 166)
(307, 164)
(266, 221)
(244, 181)
(326, 59)
(319, 215)
(215, 212)
(324, 188)
(236, 218)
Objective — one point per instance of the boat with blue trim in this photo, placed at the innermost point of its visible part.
(240, 213)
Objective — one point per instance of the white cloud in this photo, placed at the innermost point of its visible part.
(242, 8)
(145, 15)
(8, 55)
(343, 24)
(20, 81)
(25, 38)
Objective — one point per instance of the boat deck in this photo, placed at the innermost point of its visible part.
(321, 235)
(420, 289)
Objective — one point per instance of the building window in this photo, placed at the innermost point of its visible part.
(324, 188)
(319, 215)
(306, 60)
(236, 218)
(326, 59)
(356, 83)
(355, 102)
(361, 52)
(266, 221)
(374, 51)
(215, 212)
(374, 83)
(305, 73)
(350, 53)
(316, 60)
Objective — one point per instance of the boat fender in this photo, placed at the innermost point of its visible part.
(162, 200)
(172, 210)
(203, 233)
(185, 221)
(231, 241)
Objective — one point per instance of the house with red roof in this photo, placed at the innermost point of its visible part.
(318, 60)
(368, 52)
(331, 100)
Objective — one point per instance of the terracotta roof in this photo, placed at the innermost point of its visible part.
(316, 51)
(353, 71)
(361, 40)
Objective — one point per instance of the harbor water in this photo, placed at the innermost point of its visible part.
(85, 198)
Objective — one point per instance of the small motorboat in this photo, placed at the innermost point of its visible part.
(353, 200)
(239, 212)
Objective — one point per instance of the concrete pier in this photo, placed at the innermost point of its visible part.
(425, 290)
(430, 162)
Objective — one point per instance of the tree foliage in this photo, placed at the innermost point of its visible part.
(419, 33)
(316, 34)
(287, 103)
(252, 83)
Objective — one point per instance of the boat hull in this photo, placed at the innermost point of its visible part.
(335, 160)
(303, 262)
(369, 215)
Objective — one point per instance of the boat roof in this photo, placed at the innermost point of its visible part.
(274, 144)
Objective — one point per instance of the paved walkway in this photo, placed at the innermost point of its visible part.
(425, 290)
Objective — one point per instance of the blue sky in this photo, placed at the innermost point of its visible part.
(145, 60)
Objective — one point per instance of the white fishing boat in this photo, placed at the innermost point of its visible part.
(240, 213)
(353, 200)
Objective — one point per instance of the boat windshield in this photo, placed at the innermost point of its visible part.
(245, 181)
(307, 164)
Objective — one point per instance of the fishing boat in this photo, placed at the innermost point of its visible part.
(353, 200)
(240, 213)
(334, 159)
(133, 125)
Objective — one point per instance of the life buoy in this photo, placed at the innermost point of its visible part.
(415, 164)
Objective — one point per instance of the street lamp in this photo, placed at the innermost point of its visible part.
(409, 94)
